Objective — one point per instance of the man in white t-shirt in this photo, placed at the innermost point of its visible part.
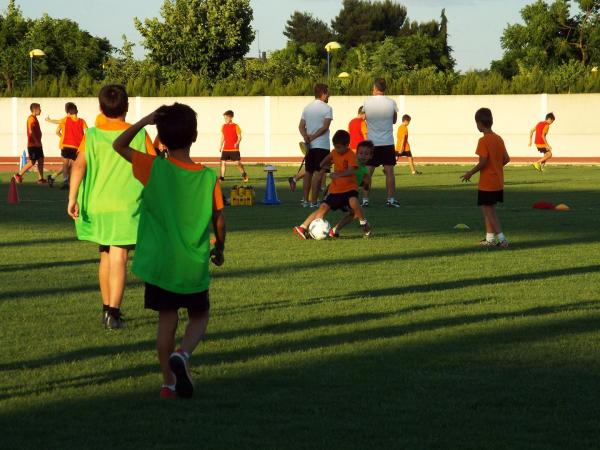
(381, 115)
(314, 128)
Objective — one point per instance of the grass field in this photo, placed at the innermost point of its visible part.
(415, 338)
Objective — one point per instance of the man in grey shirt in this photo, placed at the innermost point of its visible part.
(314, 128)
(381, 115)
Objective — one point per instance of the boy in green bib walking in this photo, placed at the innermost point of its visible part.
(180, 200)
(104, 199)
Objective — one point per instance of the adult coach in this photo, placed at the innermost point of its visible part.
(314, 128)
(381, 114)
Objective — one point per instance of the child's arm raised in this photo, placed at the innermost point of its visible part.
(216, 254)
(121, 144)
(54, 121)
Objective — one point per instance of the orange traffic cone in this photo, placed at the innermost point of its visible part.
(13, 194)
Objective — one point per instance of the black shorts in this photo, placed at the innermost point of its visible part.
(106, 248)
(383, 155)
(68, 153)
(159, 299)
(340, 201)
(228, 155)
(35, 153)
(408, 154)
(543, 150)
(314, 157)
(489, 198)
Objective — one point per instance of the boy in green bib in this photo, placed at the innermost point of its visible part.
(104, 199)
(180, 200)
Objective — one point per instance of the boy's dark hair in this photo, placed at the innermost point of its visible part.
(71, 108)
(361, 110)
(228, 113)
(484, 117)
(321, 89)
(368, 144)
(380, 84)
(341, 137)
(550, 116)
(114, 101)
(34, 106)
(406, 117)
(177, 126)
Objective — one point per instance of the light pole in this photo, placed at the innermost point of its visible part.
(331, 47)
(32, 54)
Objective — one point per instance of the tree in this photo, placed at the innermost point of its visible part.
(13, 57)
(302, 28)
(551, 37)
(198, 36)
(363, 21)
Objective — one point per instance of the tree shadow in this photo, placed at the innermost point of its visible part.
(45, 265)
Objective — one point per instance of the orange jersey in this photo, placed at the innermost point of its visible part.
(541, 130)
(402, 144)
(358, 131)
(73, 131)
(491, 178)
(142, 167)
(341, 163)
(231, 133)
(100, 120)
(34, 132)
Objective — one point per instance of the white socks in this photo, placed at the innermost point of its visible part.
(501, 237)
(489, 237)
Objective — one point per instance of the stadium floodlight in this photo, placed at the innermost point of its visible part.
(32, 54)
(331, 47)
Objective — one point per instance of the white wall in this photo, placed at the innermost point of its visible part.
(442, 126)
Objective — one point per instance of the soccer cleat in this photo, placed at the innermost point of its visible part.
(167, 392)
(104, 317)
(301, 232)
(333, 234)
(366, 229)
(114, 323)
(292, 183)
(183, 380)
(537, 166)
(245, 177)
(313, 205)
(18, 178)
(305, 204)
(365, 203)
(50, 180)
(502, 244)
(42, 181)
(487, 244)
(392, 204)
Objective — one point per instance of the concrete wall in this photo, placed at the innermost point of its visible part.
(442, 126)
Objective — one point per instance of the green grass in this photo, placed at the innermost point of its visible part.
(415, 338)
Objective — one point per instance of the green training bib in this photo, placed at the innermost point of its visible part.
(173, 246)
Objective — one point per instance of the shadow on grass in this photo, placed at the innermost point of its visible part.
(45, 265)
(24, 243)
(439, 391)
(54, 291)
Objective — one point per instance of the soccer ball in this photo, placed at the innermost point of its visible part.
(319, 229)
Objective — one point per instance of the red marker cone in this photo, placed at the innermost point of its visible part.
(13, 194)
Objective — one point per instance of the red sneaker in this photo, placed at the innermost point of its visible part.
(333, 234)
(167, 392)
(301, 232)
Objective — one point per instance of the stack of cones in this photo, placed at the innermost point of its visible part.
(13, 194)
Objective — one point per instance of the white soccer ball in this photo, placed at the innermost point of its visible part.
(319, 229)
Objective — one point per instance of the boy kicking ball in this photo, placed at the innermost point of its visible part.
(343, 191)
(179, 201)
(492, 159)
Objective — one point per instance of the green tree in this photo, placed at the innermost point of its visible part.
(198, 36)
(363, 21)
(302, 28)
(13, 56)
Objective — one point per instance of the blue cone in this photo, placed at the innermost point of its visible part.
(271, 192)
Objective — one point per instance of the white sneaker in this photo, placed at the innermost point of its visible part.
(365, 203)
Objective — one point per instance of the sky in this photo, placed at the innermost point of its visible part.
(475, 26)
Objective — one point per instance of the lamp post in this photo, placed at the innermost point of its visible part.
(32, 54)
(331, 47)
